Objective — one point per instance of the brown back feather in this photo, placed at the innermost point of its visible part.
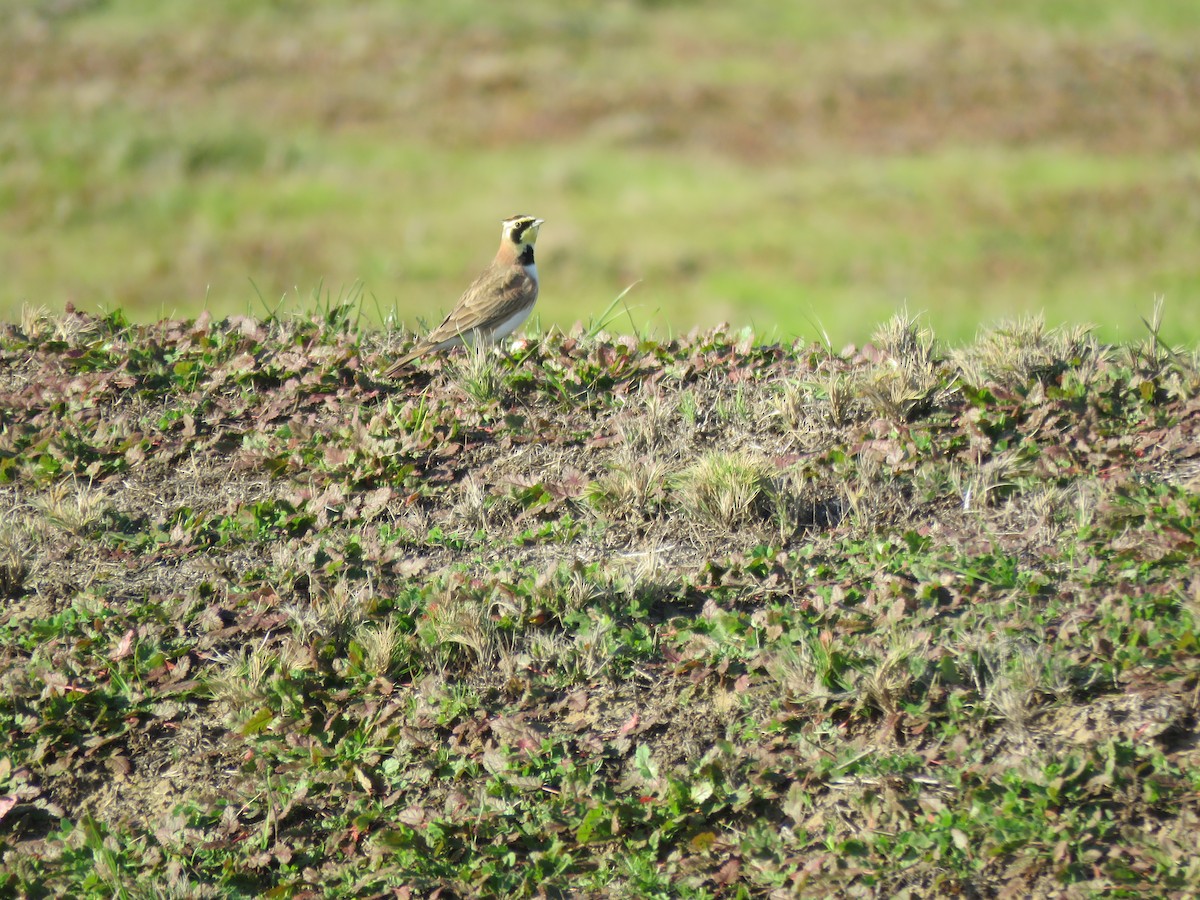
(494, 296)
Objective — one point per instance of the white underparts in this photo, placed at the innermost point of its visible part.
(511, 324)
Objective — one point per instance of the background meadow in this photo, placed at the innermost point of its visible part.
(808, 169)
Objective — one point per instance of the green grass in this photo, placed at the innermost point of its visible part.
(595, 616)
(806, 171)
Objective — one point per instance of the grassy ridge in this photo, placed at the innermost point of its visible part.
(800, 169)
(598, 617)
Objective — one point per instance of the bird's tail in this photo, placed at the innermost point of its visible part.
(402, 363)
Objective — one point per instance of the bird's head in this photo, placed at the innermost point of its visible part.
(521, 230)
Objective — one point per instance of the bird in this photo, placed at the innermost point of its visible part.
(496, 303)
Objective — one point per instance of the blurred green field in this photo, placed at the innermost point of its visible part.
(804, 168)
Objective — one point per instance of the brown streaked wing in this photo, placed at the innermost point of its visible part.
(493, 297)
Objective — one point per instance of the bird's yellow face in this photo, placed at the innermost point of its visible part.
(522, 230)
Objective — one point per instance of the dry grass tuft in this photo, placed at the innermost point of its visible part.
(36, 321)
(1017, 352)
(476, 370)
(649, 426)
(246, 679)
(17, 550)
(383, 645)
(71, 505)
(725, 489)
(806, 671)
(635, 489)
(329, 612)
(457, 631)
(888, 682)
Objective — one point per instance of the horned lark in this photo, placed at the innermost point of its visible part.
(498, 301)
